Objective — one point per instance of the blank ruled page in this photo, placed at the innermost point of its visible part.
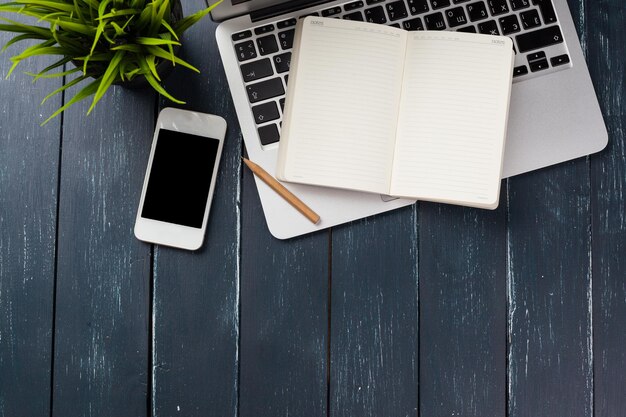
(452, 120)
(341, 113)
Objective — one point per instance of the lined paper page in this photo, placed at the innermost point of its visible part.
(342, 111)
(452, 120)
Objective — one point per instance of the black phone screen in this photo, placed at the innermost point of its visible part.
(180, 178)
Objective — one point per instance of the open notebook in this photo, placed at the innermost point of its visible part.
(411, 114)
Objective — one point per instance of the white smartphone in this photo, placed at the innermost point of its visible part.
(180, 178)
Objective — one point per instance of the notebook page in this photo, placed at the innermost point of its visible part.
(342, 103)
(452, 122)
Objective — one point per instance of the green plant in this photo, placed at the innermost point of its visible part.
(110, 41)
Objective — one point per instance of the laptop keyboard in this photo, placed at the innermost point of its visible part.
(264, 51)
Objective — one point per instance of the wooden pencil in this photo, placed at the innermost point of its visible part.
(282, 191)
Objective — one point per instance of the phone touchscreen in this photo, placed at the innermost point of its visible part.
(180, 178)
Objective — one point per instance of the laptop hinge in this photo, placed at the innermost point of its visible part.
(286, 7)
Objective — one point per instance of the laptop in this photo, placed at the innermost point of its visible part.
(554, 113)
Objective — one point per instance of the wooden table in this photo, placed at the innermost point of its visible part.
(431, 310)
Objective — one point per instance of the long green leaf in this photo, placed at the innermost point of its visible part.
(156, 51)
(154, 41)
(185, 23)
(150, 61)
(155, 84)
(107, 78)
(53, 5)
(53, 75)
(81, 95)
(64, 87)
(18, 38)
(57, 64)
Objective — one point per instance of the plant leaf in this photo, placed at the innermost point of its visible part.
(154, 41)
(52, 5)
(155, 84)
(81, 95)
(54, 75)
(156, 51)
(185, 23)
(107, 78)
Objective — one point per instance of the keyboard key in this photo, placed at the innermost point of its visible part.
(435, 21)
(536, 56)
(375, 15)
(559, 60)
(530, 19)
(265, 112)
(498, 7)
(331, 12)
(241, 35)
(477, 11)
(509, 24)
(417, 6)
(245, 50)
(459, 1)
(264, 29)
(488, 28)
(282, 104)
(519, 71)
(264, 90)
(413, 24)
(468, 29)
(396, 10)
(374, 1)
(358, 16)
(282, 62)
(267, 44)
(547, 11)
(286, 38)
(286, 23)
(438, 4)
(354, 5)
(539, 38)
(456, 17)
(256, 70)
(539, 65)
(308, 14)
(268, 134)
(520, 4)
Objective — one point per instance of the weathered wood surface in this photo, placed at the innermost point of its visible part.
(102, 321)
(29, 157)
(606, 54)
(430, 310)
(462, 254)
(374, 317)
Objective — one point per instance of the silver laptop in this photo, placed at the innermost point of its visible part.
(554, 114)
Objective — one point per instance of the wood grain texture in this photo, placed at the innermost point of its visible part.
(550, 334)
(103, 281)
(29, 156)
(374, 323)
(606, 52)
(196, 294)
(284, 320)
(462, 311)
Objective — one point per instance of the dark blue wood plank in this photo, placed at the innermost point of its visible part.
(196, 294)
(462, 274)
(550, 352)
(284, 320)
(606, 53)
(29, 156)
(374, 323)
(103, 282)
